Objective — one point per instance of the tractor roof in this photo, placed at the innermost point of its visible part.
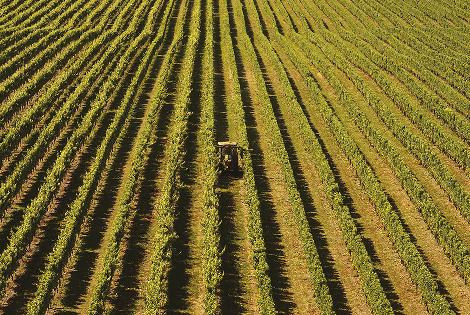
(226, 143)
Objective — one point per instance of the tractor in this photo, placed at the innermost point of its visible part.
(230, 156)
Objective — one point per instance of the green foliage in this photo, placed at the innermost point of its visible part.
(212, 254)
(105, 154)
(408, 252)
(237, 115)
(156, 292)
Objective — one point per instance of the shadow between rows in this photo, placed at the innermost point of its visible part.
(127, 291)
(271, 230)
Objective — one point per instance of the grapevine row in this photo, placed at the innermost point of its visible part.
(445, 234)
(137, 159)
(19, 96)
(106, 153)
(392, 58)
(408, 252)
(236, 113)
(212, 254)
(156, 288)
(361, 259)
(317, 276)
(414, 143)
(32, 214)
(10, 185)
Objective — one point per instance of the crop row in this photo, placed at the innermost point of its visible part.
(108, 260)
(427, 156)
(250, 57)
(93, 15)
(70, 16)
(433, 103)
(372, 287)
(71, 223)
(22, 94)
(212, 253)
(17, 39)
(14, 75)
(399, 39)
(12, 63)
(408, 252)
(444, 65)
(161, 252)
(333, 56)
(396, 63)
(361, 259)
(438, 76)
(20, 12)
(459, 61)
(8, 6)
(437, 223)
(44, 158)
(44, 16)
(11, 183)
(417, 40)
(38, 205)
(415, 37)
(445, 235)
(31, 16)
(236, 114)
(30, 45)
(31, 12)
(106, 153)
(416, 115)
(414, 143)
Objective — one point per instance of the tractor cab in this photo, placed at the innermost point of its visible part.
(229, 156)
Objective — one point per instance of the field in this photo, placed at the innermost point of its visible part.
(354, 122)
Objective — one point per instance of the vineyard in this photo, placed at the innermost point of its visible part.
(354, 191)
